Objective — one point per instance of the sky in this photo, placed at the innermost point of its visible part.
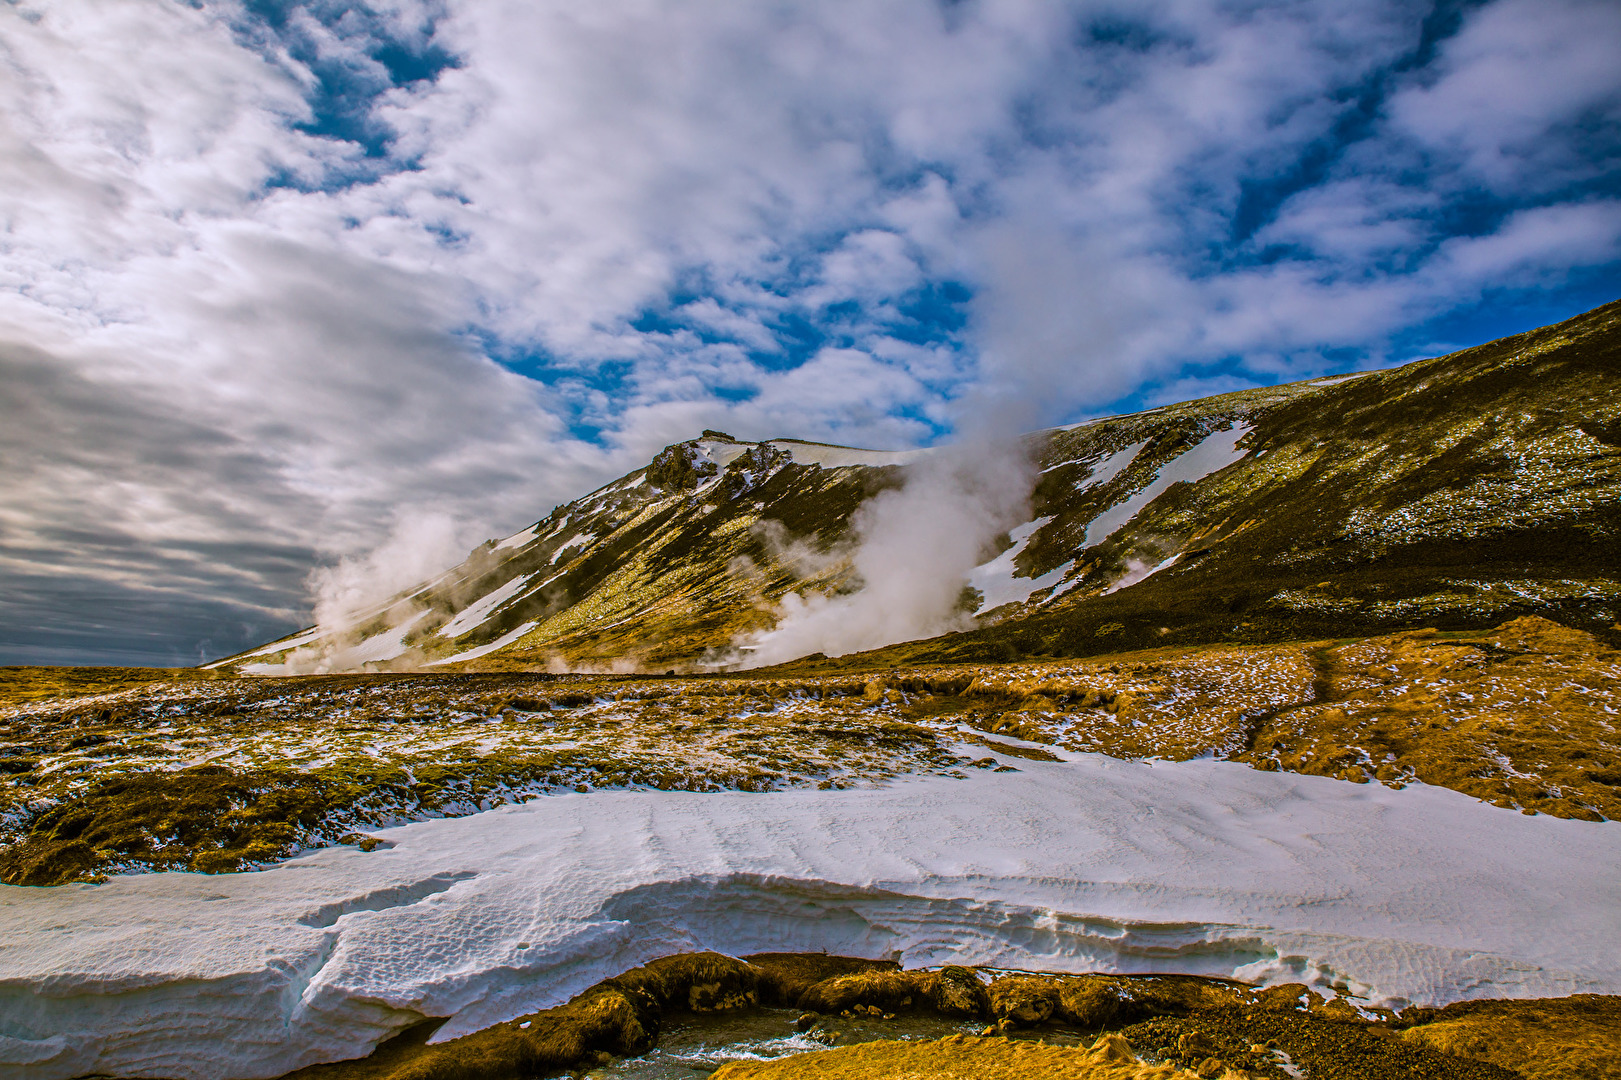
(282, 283)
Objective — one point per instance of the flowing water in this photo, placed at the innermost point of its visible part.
(693, 1045)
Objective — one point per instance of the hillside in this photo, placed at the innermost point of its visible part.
(1454, 492)
(1315, 690)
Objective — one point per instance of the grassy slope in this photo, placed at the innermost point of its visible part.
(1451, 493)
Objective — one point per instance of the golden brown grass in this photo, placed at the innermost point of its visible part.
(1527, 716)
(1184, 1026)
(962, 1057)
(1572, 1038)
(122, 769)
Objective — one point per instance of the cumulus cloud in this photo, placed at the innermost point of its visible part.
(272, 276)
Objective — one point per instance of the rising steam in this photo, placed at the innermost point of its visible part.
(359, 598)
(913, 551)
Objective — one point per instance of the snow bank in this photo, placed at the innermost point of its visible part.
(1092, 864)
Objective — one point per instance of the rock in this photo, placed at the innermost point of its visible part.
(885, 990)
(1023, 1001)
(956, 991)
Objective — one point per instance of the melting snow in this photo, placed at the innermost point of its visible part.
(1208, 455)
(499, 643)
(475, 613)
(1421, 895)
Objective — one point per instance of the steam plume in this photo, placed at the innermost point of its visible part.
(915, 546)
(359, 597)
(1049, 308)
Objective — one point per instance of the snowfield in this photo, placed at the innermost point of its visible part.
(1417, 895)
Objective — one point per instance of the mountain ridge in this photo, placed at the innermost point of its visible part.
(1454, 491)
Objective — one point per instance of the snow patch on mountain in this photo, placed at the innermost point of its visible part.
(519, 539)
(1210, 454)
(381, 647)
(1140, 571)
(1105, 470)
(996, 581)
(484, 650)
(581, 539)
(475, 614)
(277, 646)
(838, 457)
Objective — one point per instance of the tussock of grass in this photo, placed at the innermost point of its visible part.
(1571, 1038)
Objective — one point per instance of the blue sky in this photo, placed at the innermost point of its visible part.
(286, 281)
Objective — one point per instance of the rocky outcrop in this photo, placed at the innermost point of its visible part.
(681, 467)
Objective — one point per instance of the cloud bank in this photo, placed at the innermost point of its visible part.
(276, 276)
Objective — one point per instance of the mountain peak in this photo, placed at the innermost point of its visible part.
(1457, 492)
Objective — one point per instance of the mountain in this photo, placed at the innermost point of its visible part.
(1454, 492)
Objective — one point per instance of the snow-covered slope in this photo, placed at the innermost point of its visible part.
(1415, 895)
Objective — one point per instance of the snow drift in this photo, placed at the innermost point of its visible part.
(1420, 895)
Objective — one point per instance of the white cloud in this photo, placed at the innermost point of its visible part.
(1534, 245)
(1515, 70)
(236, 342)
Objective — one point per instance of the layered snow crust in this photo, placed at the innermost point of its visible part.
(1418, 895)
